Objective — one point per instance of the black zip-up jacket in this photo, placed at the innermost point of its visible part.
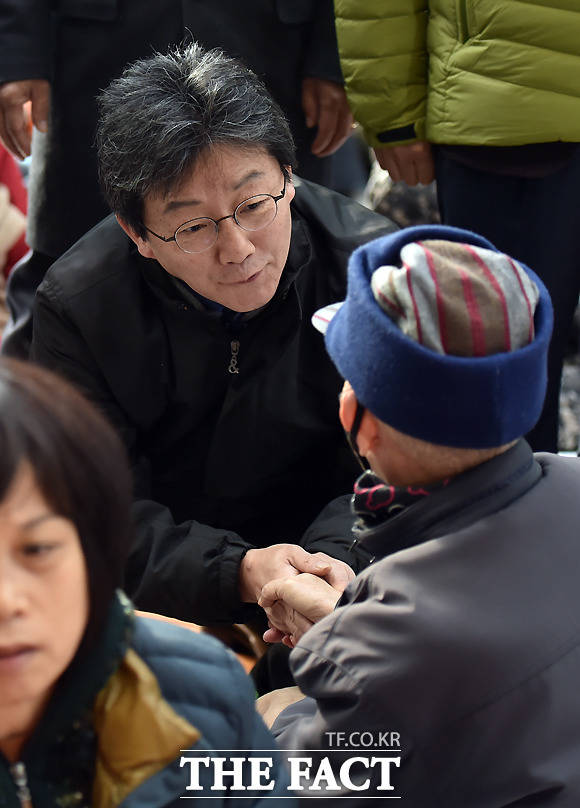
(251, 456)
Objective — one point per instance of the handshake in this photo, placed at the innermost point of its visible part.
(295, 588)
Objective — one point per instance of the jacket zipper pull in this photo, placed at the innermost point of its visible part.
(18, 772)
(235, 349)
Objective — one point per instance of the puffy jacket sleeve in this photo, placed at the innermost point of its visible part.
(24, 40)
(206, 685)
(383, 53)
(255, 736)
(187, 570)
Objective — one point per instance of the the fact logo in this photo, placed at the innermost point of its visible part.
(348, 766)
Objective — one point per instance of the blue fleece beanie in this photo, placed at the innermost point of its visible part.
(464, 401)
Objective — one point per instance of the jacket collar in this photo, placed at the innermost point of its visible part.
(468, 497)
(65, 732)
(74, 695)
(139, 733)
(109, 716)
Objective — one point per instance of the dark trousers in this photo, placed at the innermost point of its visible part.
(536, 221)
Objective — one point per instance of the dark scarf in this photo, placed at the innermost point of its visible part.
(375, 501)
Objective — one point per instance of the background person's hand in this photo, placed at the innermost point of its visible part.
(294, 604)
(261, 565)
(15, 128)
(325, 106)
(411, 163)
(270, 705)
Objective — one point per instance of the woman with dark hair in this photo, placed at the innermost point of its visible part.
(95, 703)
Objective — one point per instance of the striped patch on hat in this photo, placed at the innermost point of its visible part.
(321, 318)
(458, 299)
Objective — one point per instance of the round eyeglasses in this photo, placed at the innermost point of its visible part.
(198, 235)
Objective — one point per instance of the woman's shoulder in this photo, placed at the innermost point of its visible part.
(174, 690)
(192, 665)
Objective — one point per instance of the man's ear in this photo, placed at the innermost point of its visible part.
(142, 244)
(367, 435)
(347, 407)
(290, 189)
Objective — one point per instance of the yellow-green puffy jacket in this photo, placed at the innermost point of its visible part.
(473, 72)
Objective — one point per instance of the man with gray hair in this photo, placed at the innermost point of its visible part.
(460, 643)
(186, 317)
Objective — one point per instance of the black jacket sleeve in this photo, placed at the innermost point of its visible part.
(331, 533)
(189, 570)
(25, 34)
(321, 58)
(316, 20)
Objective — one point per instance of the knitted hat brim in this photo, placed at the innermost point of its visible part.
(464, 402)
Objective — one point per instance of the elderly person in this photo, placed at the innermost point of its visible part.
(460, 643)
(95, 704)
(186, 317)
